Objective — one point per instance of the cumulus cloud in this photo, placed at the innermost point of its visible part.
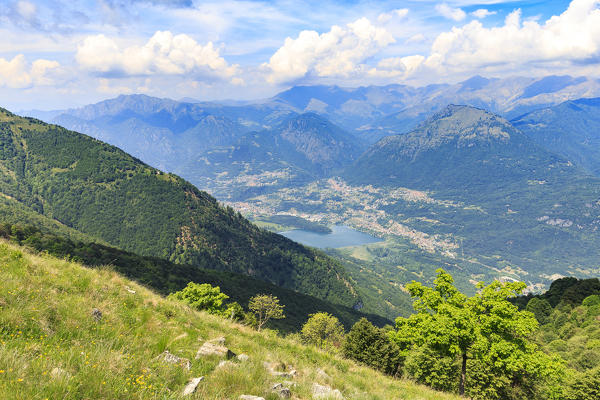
(573, 36)
(482, 13)
(387, 17)
(163, 54)
(397, 67)
(17, 73)
(446, 11)
(340, 52)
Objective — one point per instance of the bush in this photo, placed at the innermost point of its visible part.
(323, 330)
(371, 346)
(203, 297)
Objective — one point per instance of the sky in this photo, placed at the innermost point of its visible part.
(57, 54)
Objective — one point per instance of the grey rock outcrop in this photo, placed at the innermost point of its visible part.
(192, 385)
(325, 392)
(282, 391)
(171, 358)
(215, 347)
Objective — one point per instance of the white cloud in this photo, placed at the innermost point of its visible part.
(16, 73)
(573, 36)
(482, 13)
(26, 10)
(446, 11)
(337, 53)
(397, 66)
(163, 54)
(387, 17)
(416, 38)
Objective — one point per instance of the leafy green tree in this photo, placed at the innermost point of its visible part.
(584, 386)
(486, 329)
(444, 321)
(323, 330)
(372, 346)
(203, 297)
(234, 311)
(265, 307)
(540, 308)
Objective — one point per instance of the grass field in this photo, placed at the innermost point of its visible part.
(52, 347)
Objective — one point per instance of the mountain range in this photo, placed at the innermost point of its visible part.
(500, 186)
(186, 137)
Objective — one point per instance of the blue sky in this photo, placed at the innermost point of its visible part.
(63, 53)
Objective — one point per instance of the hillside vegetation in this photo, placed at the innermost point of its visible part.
(103, 192)
(166, 277)
(52, 344)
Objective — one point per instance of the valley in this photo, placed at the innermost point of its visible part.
(299, 200)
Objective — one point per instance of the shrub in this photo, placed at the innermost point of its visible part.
(323, 330)
(371, 346)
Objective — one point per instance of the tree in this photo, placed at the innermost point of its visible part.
(485, 328)
(372, 346)
(265, 307)
(323, 330)
(203, 297)
(540, 308)
(443, 321)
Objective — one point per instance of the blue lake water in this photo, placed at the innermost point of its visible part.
(340, 236)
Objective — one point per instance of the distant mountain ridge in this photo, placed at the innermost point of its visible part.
(459, 147)
(571, 129)
(301, 149)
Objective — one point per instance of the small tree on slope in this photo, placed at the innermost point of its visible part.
(265, 307)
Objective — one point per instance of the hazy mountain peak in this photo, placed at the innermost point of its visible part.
(465, 124)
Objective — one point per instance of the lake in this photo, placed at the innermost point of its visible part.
(340, 236)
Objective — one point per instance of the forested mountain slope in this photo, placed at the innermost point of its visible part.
(103, 192)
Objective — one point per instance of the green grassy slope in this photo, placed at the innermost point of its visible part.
(103, 192)
(52, 347)
(166, 277)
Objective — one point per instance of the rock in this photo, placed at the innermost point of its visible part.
(322, 375)
(243, 357)
(59, 373)
(281, 391)
(279, 369)
(224, 364)
(97, 314)
(325, 392)
(250, 397)
(130, 290)
(192, 385)
(215, 347)
(171, 358)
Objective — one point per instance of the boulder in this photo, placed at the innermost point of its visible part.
(281, 391)
(279, 370)
(243, 357)
(250, 397)
(215, 347)
(322, 375)
(171, 358)
(96, 314)
(225, 364)
(192, 385)
(59, 373)
(325, 392)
